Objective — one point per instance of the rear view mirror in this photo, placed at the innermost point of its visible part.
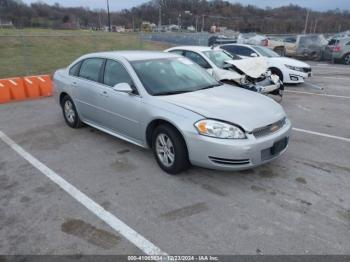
(254, 55)
(123, 87)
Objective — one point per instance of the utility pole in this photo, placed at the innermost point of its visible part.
(160, 18)
(202, 23)
(99, 20)
(315, 29)
(315, 26)
(109, 17)
(133, 24)
(306, 21)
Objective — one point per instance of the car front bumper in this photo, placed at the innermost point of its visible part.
(265, 86)
(296, 76)
(240, 154)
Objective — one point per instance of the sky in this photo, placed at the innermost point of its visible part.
(115, 5)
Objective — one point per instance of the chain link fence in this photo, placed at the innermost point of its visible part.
(178, 38)
(35, 52)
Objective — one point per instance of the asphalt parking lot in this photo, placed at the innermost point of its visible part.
(298, 204)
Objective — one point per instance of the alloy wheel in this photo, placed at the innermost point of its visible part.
(347, 59)
(69, 111)
(165, 150)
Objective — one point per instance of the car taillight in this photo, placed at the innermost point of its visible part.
(336, 48)
(265, 42)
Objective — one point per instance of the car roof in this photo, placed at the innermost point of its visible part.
(237, 44)
(132, 55)
(192, 48)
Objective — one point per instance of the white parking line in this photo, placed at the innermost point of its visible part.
(335, 78)
(314, 86)
(321, 134)
(325, 66)
(309, 93)
(135, 238)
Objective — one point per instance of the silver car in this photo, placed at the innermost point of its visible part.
(168, 103)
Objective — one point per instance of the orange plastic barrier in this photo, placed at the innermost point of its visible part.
(16, 88)
(45, 85)
(28, 87)
(31, 87)
(5, 95)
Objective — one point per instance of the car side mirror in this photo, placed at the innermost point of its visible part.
(254, 55)
(123, 87)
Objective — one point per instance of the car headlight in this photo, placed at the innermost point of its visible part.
(218, 129)
(295, 68)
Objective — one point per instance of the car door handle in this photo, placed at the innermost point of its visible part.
(75, 84)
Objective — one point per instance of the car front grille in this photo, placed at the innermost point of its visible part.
(230, 162)
(307, 69)
(270, 129)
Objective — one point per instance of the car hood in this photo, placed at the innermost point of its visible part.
(289, 61)
(223, 74)
(253, 67)
(232, 104)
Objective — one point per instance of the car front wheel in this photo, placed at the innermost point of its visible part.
(170, 150)
(70, 113)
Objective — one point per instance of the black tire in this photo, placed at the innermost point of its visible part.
(277, 72)
(74, 122)
(179, 149)
(346, 59)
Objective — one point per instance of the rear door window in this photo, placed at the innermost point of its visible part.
(230, 48)
(74, 70)
(197, 58)
(244, 51)
(91, 68)
(290, 40)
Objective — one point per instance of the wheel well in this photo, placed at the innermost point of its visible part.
(62, 95)
(345, 55)
(153, 125)
(275, 69)
(278, 47)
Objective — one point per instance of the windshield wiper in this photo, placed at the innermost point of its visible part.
(172, 93)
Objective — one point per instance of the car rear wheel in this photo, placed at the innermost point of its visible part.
(70, 113)
(346, 59)
(170, 150)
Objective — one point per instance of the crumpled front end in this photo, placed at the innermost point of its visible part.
(267, 84)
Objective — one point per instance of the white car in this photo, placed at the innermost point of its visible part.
(288, 69)
(251, 74)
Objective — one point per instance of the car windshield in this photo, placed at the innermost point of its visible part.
(172, 76)
(266, 52)
(219, 57)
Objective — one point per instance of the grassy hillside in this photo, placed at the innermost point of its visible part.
(40, 51)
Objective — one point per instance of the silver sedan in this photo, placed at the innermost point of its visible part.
(168, 103)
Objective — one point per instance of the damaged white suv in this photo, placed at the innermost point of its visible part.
(251, 74)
